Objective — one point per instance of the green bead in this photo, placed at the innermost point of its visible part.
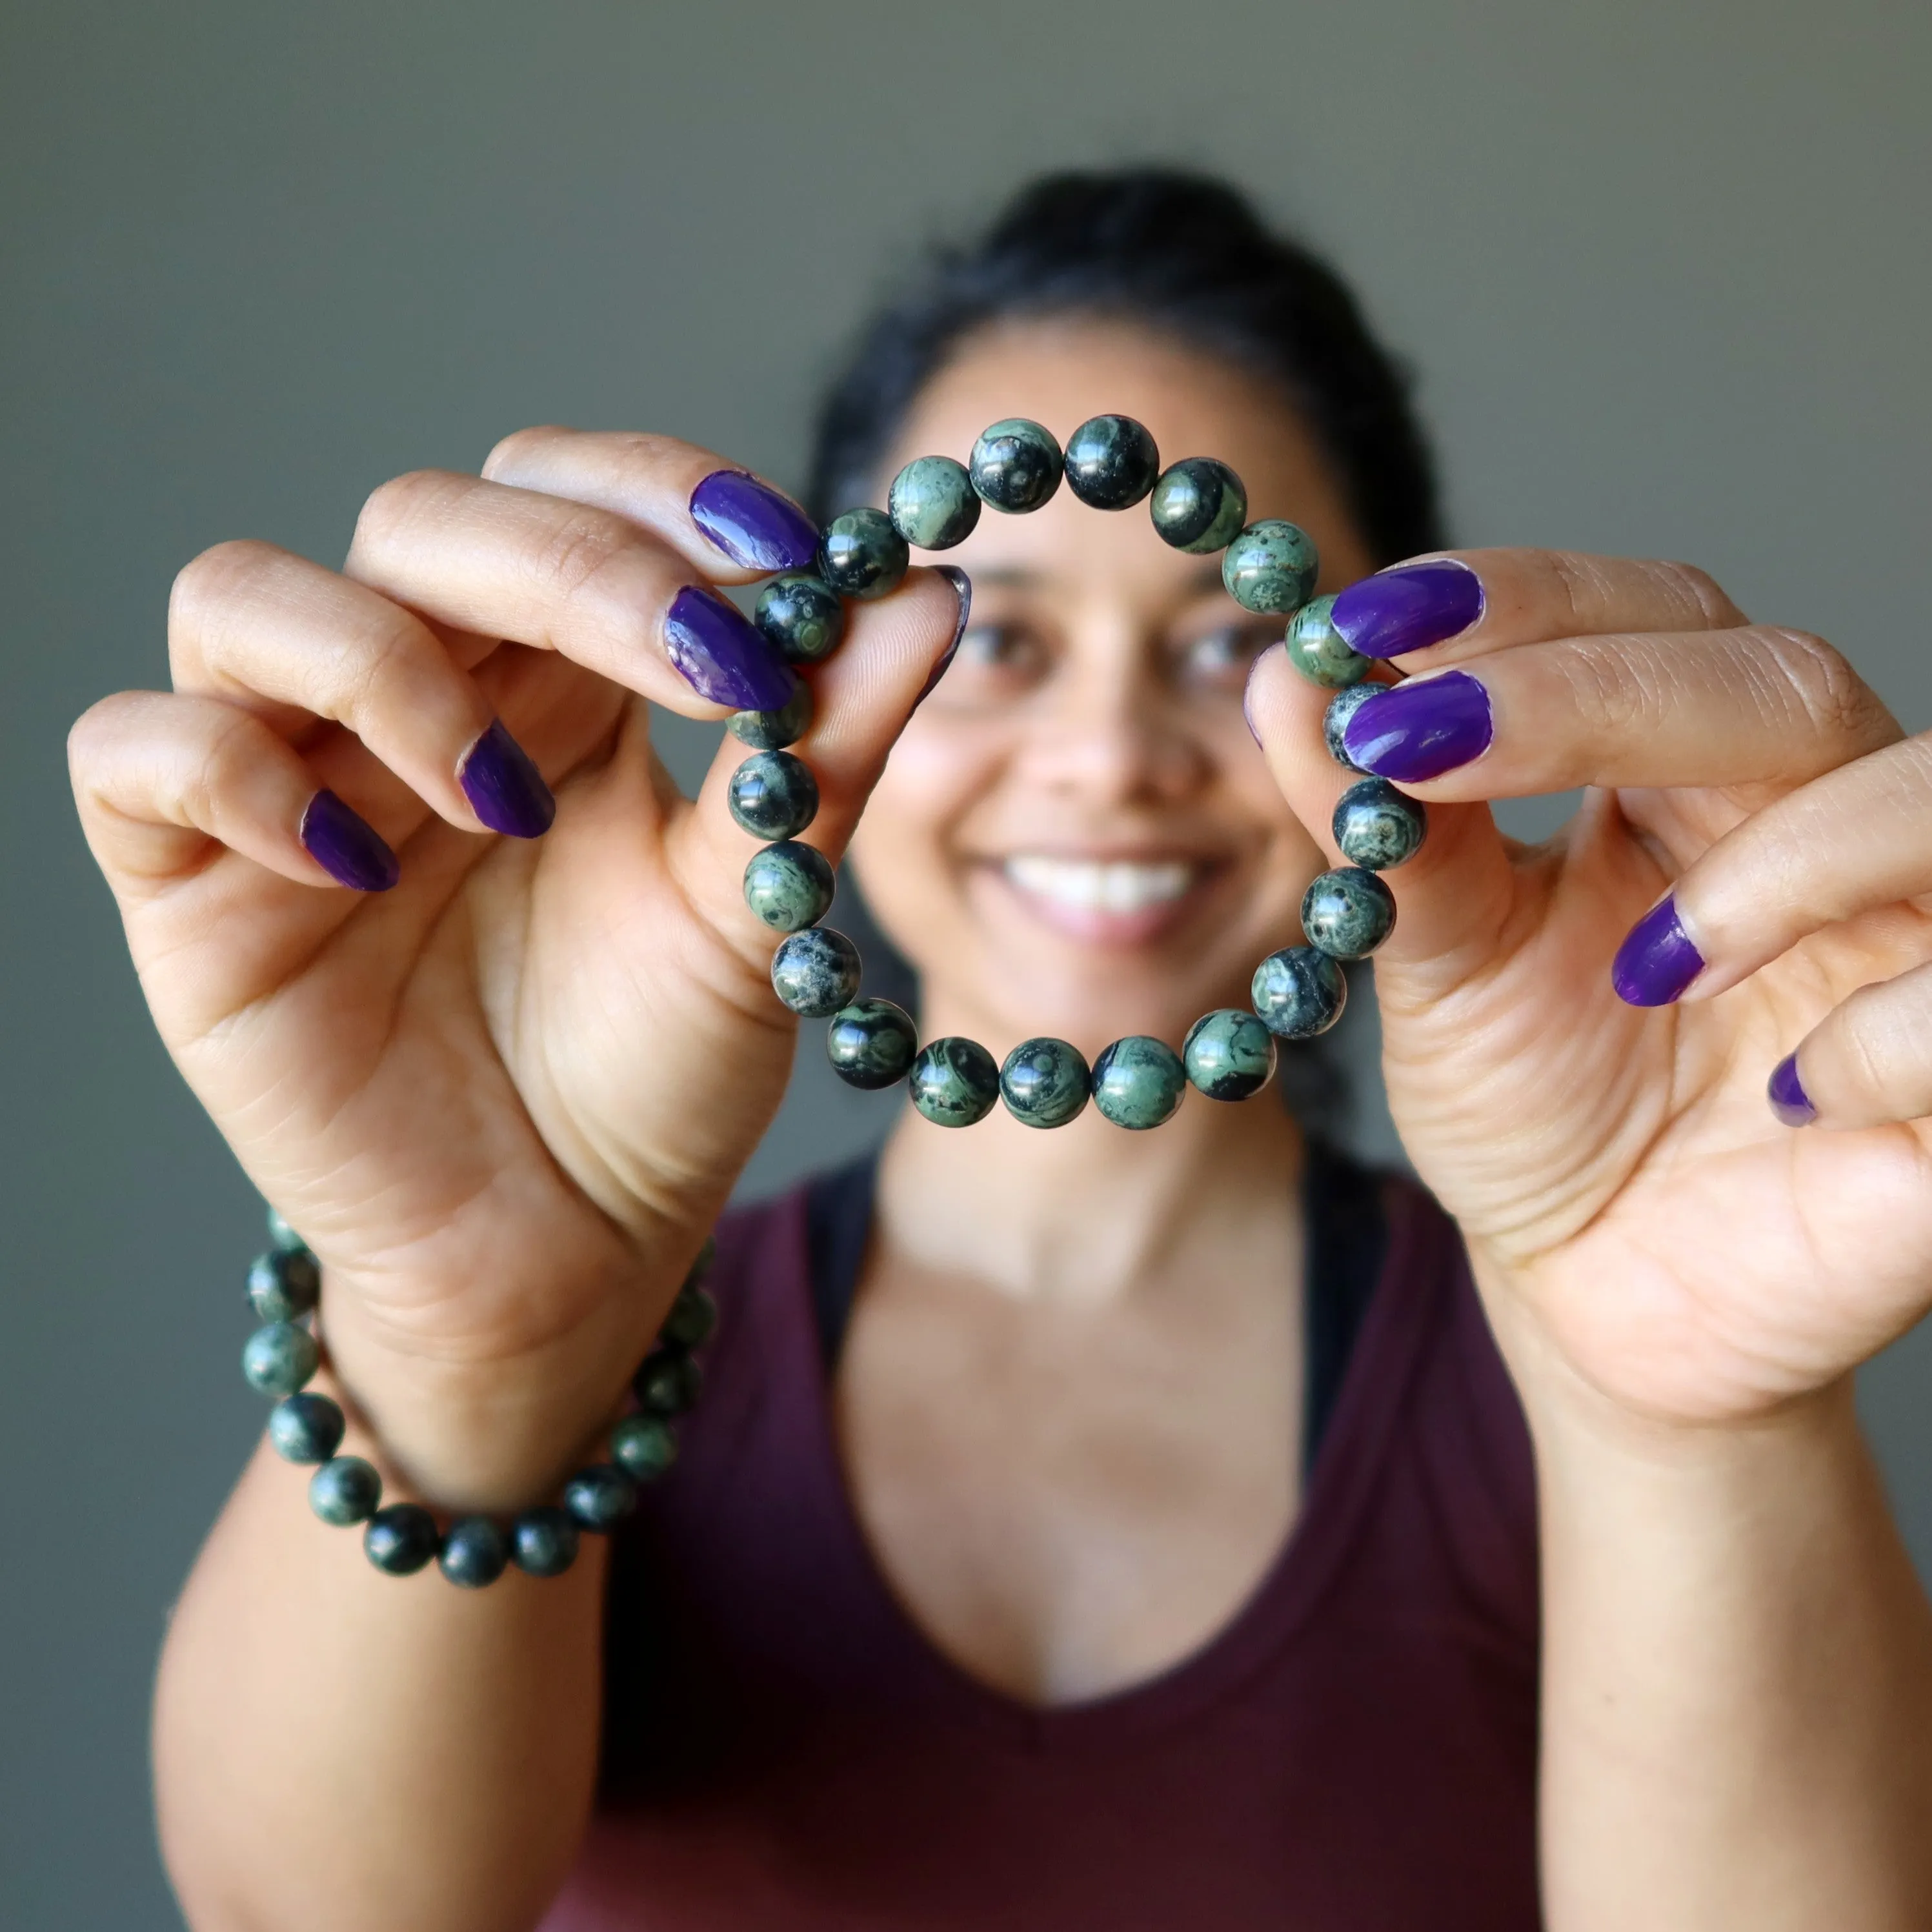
(281, 1235)
(401, 1539)
(600, 1497)
(954, 1081)
(1315, 648)
(1015, 465)
(773, 795)
(284, 1283)
(1228, 1054)
(1111, 463)
(861, 555)
(816, 972)
(1044, 1082)
(645, 1446)
(800, 617)
(279, 1358)
(544, 1541)
(870, 1044)
(1347, 912)
(669, 1383)
(1199, 506)
(475, 1552)
(1342, 707)
(789, 885)
(1138, 1081)
(772, 730)
(1377, 827)
(932, 503)
(693, 1317)
(345, 1489)
(1270, 567)
(306, 1428)
(1299, 992)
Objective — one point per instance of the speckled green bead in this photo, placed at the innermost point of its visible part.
(1015, 465)
(1270, 567)
(1111, 463)
(475, 1552)
(1347, 912)
(1299, 992)
(284, 1283)
(600, 1497)
(401, 1539)
(1228, 1054)
(861, 555)
(1377, 827)
(1138, 1081)
(954, 1081)
(279, 1358)
(773, 795)
(644, 1446)
(816, 972)
(800, 617)
(281, 1235)
(669, 1383)
(1045, 1082)
(772, 731)
(345, 1489)
(693, 1317)
(932, 503)
(1315, 648)
(789, 885)
(1342, 707)
(305, 1428)
(1199, 506)
(870, 1044)
(544, 1541)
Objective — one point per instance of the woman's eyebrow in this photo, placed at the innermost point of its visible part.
(1206, 577)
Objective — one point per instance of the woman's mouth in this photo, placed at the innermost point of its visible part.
(1123, 900)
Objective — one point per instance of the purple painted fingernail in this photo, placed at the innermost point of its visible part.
(1786, 1092)
(504, 788)
(722, 656)
(962, 589)
(1407, 608)
(1657, 960)
(345, 845)
(751, 523)
(1419, 730)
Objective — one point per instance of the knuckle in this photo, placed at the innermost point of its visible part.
(512, 451)
(391, 508)
(220, 574)
(1697, 591)
(579, 549)
(1836, 702)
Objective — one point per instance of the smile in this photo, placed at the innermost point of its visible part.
(1117, 885)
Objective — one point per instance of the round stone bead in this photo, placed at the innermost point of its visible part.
(305, 1428)
(1347, 912)
(401, 1539)
(772, 730)
(544, 1541)
(669, 1383)
(861, 555)
(1044, 1082)
(1111, 463)
(800, 617)
(1228, 1054)
(646, 1446)
(870, 1044)
(1138, 1081)
(284, 1283)
(1270, 567)
(1315, 648)
(1299, 992)
(281, 1235)
(692, 1320)
(1342, 707)
(1377, 827)
(1015, 465)
(600, 1497)
(475, 1552)
(816, 972)
(954, 1081)
(789, 885)
(345, 1489)
(1199, 506)
(932, 503)
(279, 1358)
(773, 795)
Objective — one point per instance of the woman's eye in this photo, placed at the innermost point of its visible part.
(1221, 657)
(998, 651)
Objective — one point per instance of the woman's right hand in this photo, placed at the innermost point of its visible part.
(505, 1099)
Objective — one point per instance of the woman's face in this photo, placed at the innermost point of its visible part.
(1076, 834)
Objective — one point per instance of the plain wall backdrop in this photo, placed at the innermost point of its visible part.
(1662, 264)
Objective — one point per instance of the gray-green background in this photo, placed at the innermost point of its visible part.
(1664, 267)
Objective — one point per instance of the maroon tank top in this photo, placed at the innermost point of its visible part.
(1355, 1751)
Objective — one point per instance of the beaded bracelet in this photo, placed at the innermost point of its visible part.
(282, 1356)
(1198, 505)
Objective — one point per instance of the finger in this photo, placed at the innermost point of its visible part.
(1867, 1062)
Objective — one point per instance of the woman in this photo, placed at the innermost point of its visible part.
(1083, 1527)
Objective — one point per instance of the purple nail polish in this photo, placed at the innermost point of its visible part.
(1657, 960)
(1407, 608)
(504, 788)
(1786, 1092)
(1419, 730)
(962, 588)
(345, 845)
(722, 656)
(751, 523)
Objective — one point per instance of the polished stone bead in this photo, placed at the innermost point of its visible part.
(284, 1283)
(600, 1497)
(305, 1428)
(1045, 1082)
(1299, 992)
(773, 795)
(932, 503)
(279, 1358)
(544, 1541)
(281, 1235)
(693, 1318)
(772, 731)
(816, 972)
(669, 1383)
(1316, 649)
(1199, 506)
(1015, 465)
(954, 1081)
(1228, 1054)
(345, 1489)
(789, 885)
(1138, 1081)
(475, 1552)
(401, 1539)
(870, 1044)
(645, 1445)
(1347, 912)
(1111, 463)
(861, 555)
(1377, 827)
(800, 617)
(1342, 707)
(1270, 567)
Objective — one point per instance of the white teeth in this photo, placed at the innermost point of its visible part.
(1117, 885)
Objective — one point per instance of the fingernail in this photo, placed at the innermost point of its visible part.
(345, 845)
(1657, 960)
(721, 655)
(751, 523)
(1786, 1092)
(1419, 730)
(1407, 608)
(504, 788)
(962, 589)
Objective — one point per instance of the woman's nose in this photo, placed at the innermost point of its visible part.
(1112, 733)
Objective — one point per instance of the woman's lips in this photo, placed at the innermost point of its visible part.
(1124, 901)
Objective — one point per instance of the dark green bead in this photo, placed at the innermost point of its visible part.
(1299, 992)
(1377, 827)
(401, 1539)
(1315, 648)
(544, 1541)
(1138, 1081)
(1342, 707)
(475, 1552)
(773, 795)
(816, 972)
(870, 1044)
(646, 1446)
(693, 1318)
(932, 503)
(345, 1489)
(669, 1383)
(600, 1497)
(1015, 465)
(284, 1283)
(861, 555)
(1111, 463)
(789, 885)
(772, 731)
(1199, 506)
(1270, 567)
(1347, 912)
(954, 1081)
(800, 617)
(305, 1428)
(281, 1235)
(1228, 1054)
(279, 1358)
(1045, 1082)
